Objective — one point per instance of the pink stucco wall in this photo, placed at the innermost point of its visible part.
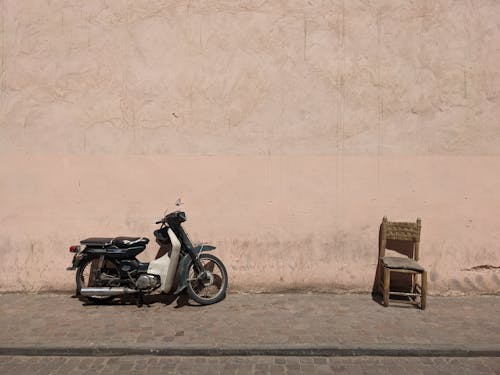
(288, 128)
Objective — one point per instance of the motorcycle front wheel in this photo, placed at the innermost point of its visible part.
(86, 277)
(210, 285)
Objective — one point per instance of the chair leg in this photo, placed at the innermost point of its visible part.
(380, 279)
(387, 284)
(423, 297)
(413, 282)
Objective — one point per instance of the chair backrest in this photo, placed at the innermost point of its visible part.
(400, 231)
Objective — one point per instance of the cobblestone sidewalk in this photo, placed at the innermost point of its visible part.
(276, 320)
(247, 365)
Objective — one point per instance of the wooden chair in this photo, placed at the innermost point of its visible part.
(410, 234)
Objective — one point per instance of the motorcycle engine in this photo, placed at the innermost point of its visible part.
(147, 282)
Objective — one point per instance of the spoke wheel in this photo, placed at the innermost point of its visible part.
(87, 274)
(210, 285)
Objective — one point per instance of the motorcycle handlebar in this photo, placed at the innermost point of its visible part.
(159, 222)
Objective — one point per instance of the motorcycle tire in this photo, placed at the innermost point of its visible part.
(198, 290)
(84, 281)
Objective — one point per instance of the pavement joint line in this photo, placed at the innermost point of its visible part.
(242, 350)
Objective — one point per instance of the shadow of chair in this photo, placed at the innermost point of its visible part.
(404, 238)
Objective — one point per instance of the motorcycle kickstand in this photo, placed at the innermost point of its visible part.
(140, 299)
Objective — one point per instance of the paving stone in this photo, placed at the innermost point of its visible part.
(277, 370)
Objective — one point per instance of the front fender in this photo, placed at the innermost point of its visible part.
(183, 266)
(200, 248)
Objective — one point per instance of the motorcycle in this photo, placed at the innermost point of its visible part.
(107, 267)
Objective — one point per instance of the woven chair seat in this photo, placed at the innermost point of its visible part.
(402, 263)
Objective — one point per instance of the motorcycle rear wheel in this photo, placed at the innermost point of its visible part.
(213, 288)
(85, 278)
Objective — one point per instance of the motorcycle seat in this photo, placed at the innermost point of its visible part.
(97, 241)
(120, 242)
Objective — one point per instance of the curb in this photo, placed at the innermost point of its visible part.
(275, 351)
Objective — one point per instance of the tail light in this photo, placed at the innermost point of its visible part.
(74, 249)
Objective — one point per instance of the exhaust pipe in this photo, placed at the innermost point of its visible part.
(105, 291)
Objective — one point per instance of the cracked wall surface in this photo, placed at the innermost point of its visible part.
(289, 128)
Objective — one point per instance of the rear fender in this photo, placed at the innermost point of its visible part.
(183, 266)
(77, 260)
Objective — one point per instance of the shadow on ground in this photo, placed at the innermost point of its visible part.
(147, 300)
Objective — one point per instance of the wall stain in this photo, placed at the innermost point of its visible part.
(340, 132)
(305, 38)
(3, 71)
(465, 83)
(482, 267)
(380, 132)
